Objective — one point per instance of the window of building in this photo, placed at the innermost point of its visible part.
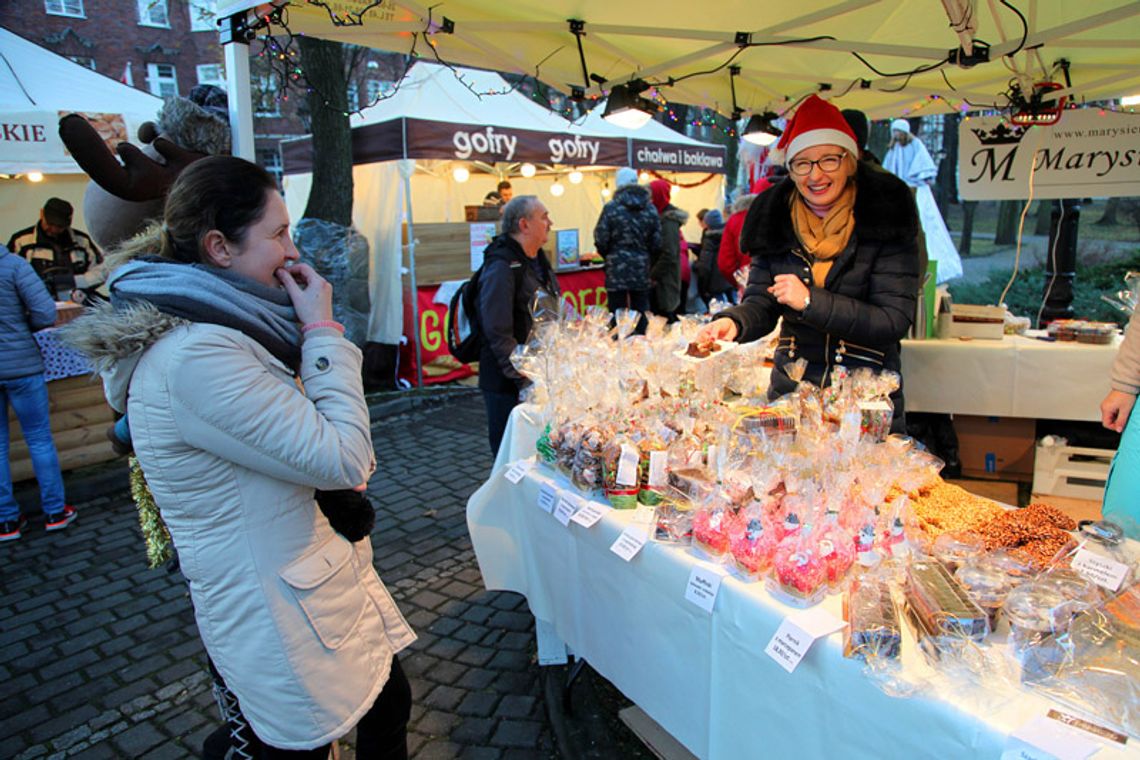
(73, 8)
(153, 13)
(84, 61)
(211, 73)
(162, 79)
(203, 15)
(353, 96)
(270, 160)
(266, 96)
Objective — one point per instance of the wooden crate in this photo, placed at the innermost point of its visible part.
(1078, 509)
(79, 420)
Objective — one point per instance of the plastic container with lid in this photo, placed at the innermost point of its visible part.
(1100, 333)
(1107, 539)
(954, 548)
(1041, 610)
(987, 584)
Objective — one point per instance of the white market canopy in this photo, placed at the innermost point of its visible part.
(37, 87)
(785, 50)
(458, 113)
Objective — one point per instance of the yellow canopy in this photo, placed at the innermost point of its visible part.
(784, 49)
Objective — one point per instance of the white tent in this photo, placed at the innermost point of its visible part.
(424, 131)
(885, 57)
(36, 88)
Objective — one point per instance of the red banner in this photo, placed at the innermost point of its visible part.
(580, 289)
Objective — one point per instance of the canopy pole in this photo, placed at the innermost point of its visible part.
(412, 280)
(234, 38)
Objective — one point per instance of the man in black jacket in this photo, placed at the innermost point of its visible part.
(514, 269)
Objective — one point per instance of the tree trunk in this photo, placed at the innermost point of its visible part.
(1008, 213)
(947, 181)
(1110, 212)
(968, 209)
(1044, 217)
(324, 66)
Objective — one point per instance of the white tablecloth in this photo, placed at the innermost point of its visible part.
(706, 678)
(1014, 377)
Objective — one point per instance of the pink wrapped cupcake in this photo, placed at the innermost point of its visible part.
(800, 575)
(753, 543)
(837, 552)
(710, 531)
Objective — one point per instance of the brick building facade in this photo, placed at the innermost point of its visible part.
(166, 47)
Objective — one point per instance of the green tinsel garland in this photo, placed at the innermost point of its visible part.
(158, 546)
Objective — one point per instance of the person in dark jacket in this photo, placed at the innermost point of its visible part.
(834, 253)
(627, 236)
(710, 282)
(25, 307)
(665, 272)
(514, 269)
(65, 258)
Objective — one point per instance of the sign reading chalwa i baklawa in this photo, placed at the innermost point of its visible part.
(1087, 153)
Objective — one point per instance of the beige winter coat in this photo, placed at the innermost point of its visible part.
(1126, 367)
(293, 615)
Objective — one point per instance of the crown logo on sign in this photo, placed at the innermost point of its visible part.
(999, 135)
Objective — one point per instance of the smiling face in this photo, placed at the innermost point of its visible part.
(267, 245)
(819, 187)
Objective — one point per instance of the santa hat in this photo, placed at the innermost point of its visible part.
(816, 122)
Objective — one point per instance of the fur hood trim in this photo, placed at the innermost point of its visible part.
(884, 212)
(106, 335)
(188, 125)
(680, 216)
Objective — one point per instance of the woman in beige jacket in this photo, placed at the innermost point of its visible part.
(243, 397)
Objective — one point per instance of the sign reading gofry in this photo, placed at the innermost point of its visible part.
(1088, 153)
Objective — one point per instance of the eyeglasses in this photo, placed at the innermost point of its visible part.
(802, 167)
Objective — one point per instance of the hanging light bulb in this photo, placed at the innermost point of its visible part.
(557, 189)
(527, 170)
(643, 178)
(35, 176)
(575, 177)
(626, 108)
(761, 129)
(460, 174)
(606, 192)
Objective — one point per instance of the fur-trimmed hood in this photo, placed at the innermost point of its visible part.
(884, 211)
(114, 340)
(671, 212)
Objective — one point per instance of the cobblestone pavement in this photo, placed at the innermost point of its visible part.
(100, 657)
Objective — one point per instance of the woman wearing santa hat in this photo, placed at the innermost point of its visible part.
(834, 252)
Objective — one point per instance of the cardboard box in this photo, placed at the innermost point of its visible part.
(996, 448)
(1001, 491)
(949, 328)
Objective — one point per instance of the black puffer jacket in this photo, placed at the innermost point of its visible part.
(506, 288)
(867, 302)
(627, 235)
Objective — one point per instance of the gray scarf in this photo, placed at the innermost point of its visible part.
(212, 295)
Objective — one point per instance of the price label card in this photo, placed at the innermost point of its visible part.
(547, 497)
(629, 543)
(1100, 569)
(797, 633)
(518, 470)
(627, 465)
(704, 585)
(1045, 739)
(588, 514)
(567, 506)
(657, 468)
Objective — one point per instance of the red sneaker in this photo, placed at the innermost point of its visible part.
(60, 519)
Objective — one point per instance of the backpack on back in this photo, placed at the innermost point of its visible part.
(464, 333)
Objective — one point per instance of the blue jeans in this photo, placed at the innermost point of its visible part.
(29, 398)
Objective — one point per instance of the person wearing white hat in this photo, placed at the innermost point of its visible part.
(834, 252)
(909, 160)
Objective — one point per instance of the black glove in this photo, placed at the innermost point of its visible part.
(349, 512)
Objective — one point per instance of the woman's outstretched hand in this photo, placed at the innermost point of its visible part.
(310, 293)
(1115, 409)
(718, 329)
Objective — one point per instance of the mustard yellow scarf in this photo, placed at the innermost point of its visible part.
(825, 237)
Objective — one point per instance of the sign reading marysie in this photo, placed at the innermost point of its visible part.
(1088, 153)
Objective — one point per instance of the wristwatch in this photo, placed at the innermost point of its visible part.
(807, 303)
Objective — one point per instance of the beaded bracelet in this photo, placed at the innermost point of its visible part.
(325, 323)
